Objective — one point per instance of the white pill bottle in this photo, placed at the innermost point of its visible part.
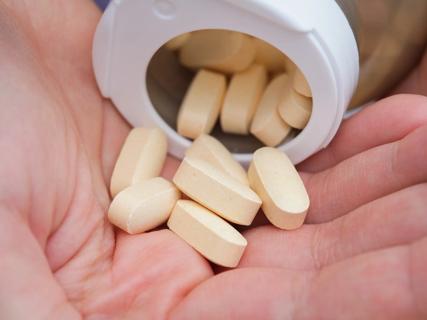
(350, 51)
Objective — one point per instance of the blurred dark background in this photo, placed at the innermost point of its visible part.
(102, 3)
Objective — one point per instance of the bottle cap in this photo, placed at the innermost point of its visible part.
(314, 34)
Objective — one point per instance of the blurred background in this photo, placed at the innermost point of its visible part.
(102, 3)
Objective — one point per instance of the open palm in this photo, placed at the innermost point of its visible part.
(362, 255)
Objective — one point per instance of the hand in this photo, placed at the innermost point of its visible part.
(362, 255)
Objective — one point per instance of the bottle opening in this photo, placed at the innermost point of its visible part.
(245, 62)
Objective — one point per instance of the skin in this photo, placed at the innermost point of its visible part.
(361, 255)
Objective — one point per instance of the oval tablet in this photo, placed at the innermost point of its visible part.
(217, 191)
(288, 65)
(201, 105)
(143, 206)
(268, 56)
(142, 157)
(178, 41)
(220, 50)
(242, 98)
(267, 124)
(295, 109)
(285, 200)
(209, 149)
(210, 235)
(300, 84)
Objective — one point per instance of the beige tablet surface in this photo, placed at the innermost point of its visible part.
(143, 206)
(210, 235)
(267, 125)
(285, 200)
(201, 105)
(142, 157)
(220, 50)
(217, 191)
(242, 98)
(209, 149)
(295, 109)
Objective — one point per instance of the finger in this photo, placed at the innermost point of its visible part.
(384, 122)
(28, 290)
(396, 219)
(417, 269)
(378, 285)
(245, 294)
(367, 176)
